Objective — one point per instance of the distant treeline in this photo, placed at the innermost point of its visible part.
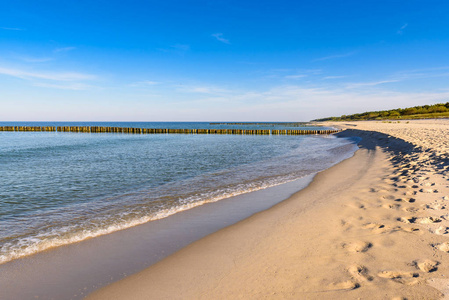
(439, 110)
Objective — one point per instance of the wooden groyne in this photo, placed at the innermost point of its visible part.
(287, 124)
(133, 130)
(27, 128)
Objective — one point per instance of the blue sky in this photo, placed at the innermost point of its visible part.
(219, 60)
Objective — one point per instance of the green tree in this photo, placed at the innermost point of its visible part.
(394, 114)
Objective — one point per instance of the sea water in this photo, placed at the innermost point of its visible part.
(58, 188)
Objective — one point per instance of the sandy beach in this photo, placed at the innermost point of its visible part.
(374, 226)
(198, 150)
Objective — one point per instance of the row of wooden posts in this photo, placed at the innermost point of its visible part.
(294, 124)
(98, 129)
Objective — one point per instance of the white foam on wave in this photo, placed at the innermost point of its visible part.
(33, 245)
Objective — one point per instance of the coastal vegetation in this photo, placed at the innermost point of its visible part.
(440, 110)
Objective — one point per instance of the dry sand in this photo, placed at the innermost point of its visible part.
(372, 227)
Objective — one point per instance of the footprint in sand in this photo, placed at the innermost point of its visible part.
(358, 246)
(410, 193)
(397, 275)
(405, 199)
(426, 265)
(390, 197)
(389, 181)
(345, 285)
(410, 229)
(410, 182)
(411, 209)
(429, 220)
(428, 191)
(441, 230)
(378, 228)
(435, 206)
(359, 273)
(358, 205)
(346, 225)
(443, 247)
(391, 206)
(407, 220)
(401, 186)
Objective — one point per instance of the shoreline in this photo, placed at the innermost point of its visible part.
(124, 199)
(385, 239)
(116, 255)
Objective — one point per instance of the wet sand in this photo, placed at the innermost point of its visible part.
(374, 226)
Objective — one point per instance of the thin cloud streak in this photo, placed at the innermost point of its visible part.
(11, 28)
(70, 86)
(62, 76)
(219, 37)
(335, 56)
(203, 90)
(370, 83)
(205, 103)
(35, 59)
(402, 76)
(401, 30)
(299, 103)
(144, 83)
(299, 76)
(179, 49)
(64, 49)
(422, 73)
(333, 77)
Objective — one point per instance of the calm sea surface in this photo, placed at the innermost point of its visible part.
(60, 188)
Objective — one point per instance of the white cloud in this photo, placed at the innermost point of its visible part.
(295, 103)
(219, 37)
(209, 103)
